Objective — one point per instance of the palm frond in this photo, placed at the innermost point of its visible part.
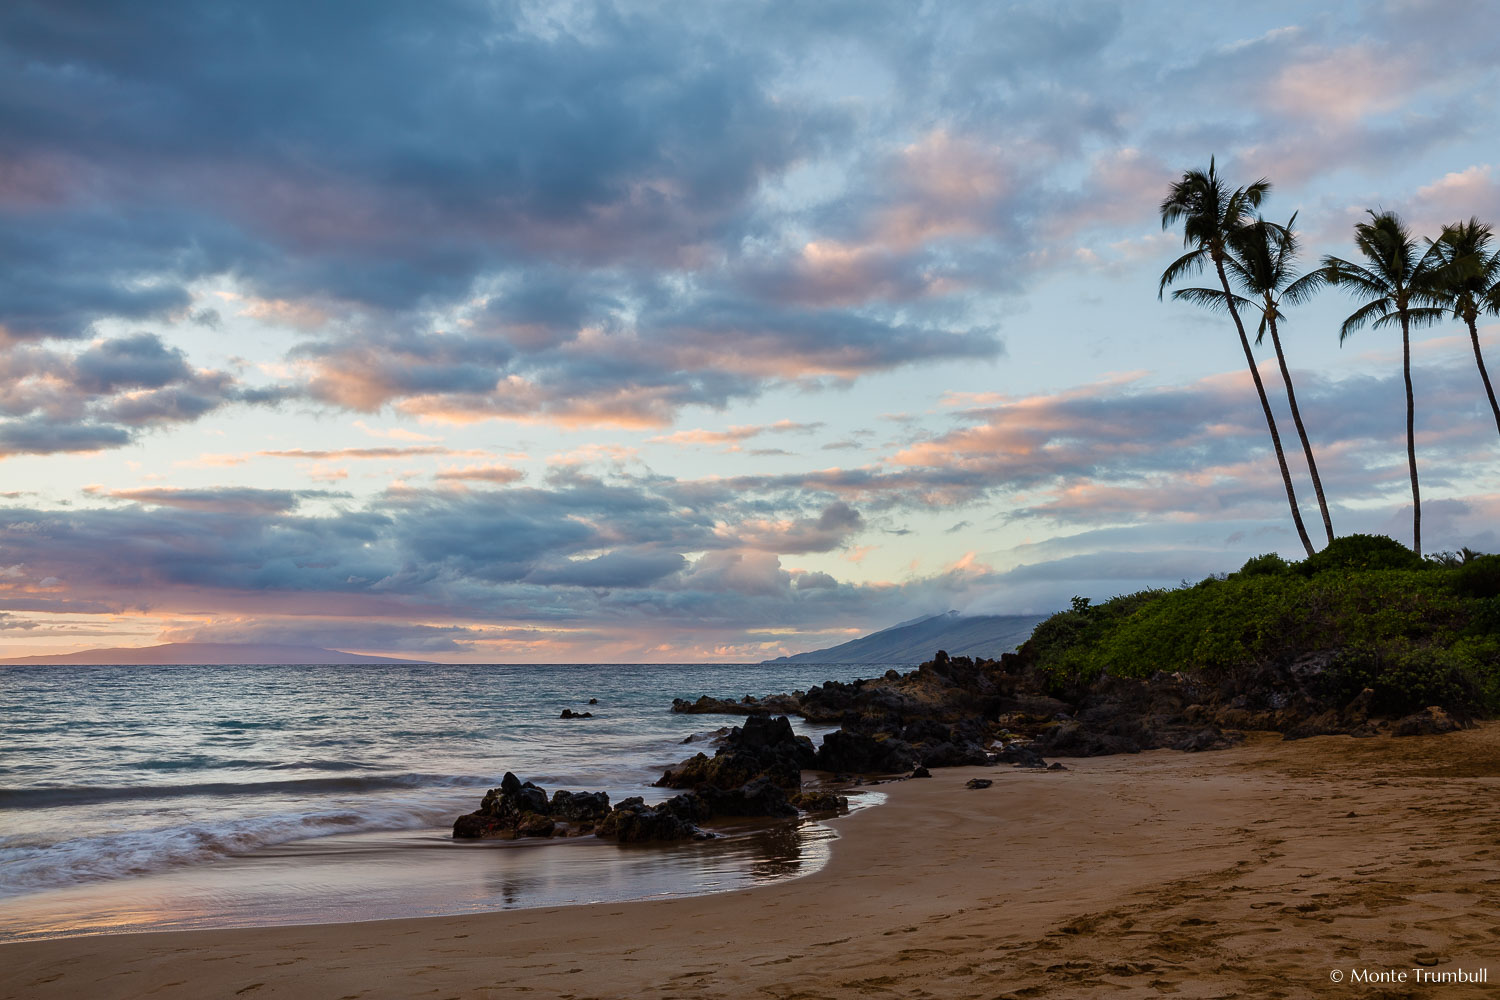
(1210, 298)
(1346, 274)
(1376, 310)
(1426, 315)
(1189, 263)
(1265, 321)
(1304, 288)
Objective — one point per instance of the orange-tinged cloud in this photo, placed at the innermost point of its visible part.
(480, 473)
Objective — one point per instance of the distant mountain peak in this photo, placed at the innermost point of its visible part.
(918, 639)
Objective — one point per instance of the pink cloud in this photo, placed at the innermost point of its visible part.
(1346, 84)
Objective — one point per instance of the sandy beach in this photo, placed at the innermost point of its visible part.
(1259, 871)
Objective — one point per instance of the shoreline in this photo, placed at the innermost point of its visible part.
(410, 878)
(1262, 867)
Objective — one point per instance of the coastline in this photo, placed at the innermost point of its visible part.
(1260, 868)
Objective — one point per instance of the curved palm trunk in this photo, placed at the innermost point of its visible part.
(1291, 397)
(1479, 360)
(1411, 436)
(1265, 404)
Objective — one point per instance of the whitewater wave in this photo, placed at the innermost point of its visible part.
(50, 796)
(26, 869)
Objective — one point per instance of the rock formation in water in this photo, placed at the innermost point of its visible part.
(522, 809)
(752, 773)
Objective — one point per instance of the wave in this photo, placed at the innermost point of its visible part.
(26, 869)
(51, 796)
(205, 762)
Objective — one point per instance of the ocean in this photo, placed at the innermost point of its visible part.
(160, 797)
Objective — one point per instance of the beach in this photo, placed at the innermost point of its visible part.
(1272, 869)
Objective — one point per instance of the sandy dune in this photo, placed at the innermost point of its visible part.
(1252, 872)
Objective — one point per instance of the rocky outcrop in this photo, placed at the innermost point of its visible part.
(756, 771)
(760, 797)
(1430, 721)
(858, 753)
(713, 737)
(776, 704)
(957, 711)
(634, 822)
(764, 747)
(820, 802)
(522, 809)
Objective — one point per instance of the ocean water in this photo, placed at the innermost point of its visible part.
(139, 797)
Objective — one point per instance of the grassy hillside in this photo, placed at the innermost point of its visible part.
(1365, 612)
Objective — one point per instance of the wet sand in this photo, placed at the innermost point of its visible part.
(1252, 872)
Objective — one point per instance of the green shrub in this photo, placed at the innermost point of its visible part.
(1361, 552)
(1269, 564)
(1478, 578)
(1407, 678)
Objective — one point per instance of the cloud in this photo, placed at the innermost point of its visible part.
(831, 529)
(223, 500)
(732, 437)
(1456, 197)
(104, 395)
(348, 454)
(1322, 84)
(620, 568)
(638, 128)
(480, 473)
(1144, 485)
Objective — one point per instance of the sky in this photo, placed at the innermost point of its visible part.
(554, 332)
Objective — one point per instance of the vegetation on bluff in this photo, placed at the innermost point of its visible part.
(1365, 612)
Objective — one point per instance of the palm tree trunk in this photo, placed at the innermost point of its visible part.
(1479, 360)
(1411, 436)
(1291, 397)
(1265, 404)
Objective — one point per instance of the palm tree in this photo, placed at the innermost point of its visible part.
(1262, 257)
(1210, 214)
(1472, 283)
(1400, 287)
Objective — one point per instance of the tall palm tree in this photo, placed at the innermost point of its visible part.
(1262, 258)
(1210, 213)
(1400, 286)
(1471, 285)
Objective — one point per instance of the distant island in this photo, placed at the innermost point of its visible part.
(914, 641)
(206, 653)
